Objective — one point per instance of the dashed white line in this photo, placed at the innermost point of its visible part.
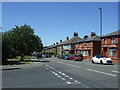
(71, 78)
(59, 76)
(59, 72)
(63, 78)
(56, 74)
(63, 73)
(115, 71)
(68, 82)
(101, 72)
(66, 76)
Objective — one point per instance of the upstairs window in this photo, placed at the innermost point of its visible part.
(113, 40)
(112, 52)
(85, 44)
(105, 41)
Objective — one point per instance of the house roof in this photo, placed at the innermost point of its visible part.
(94, 38)
(115, 33)
(83, 40)
(72, 40)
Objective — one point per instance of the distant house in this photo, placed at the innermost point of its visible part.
(68, 45)
(111, 46)
(88, 47)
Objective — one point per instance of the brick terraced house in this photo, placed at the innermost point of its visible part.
(111, 46)
(68, 45)
(88, 47)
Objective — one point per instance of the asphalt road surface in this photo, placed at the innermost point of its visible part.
(58, 73)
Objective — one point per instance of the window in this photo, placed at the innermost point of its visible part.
(79, 52)
(112, 52)
(85, 53)
(85, 44)
(105, 41)
(113, 40)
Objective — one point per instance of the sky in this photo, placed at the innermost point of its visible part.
(54, 21)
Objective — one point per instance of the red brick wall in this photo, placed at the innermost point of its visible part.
(117, 58)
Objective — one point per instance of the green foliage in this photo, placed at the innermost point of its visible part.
(20, 41)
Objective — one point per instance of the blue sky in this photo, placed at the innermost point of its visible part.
(55, 21)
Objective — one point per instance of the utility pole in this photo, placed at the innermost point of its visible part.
(100, 21)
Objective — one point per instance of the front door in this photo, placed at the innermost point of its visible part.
(105, 51)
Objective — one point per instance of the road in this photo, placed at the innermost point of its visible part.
(57, 73)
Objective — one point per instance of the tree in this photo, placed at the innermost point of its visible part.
(22, 40)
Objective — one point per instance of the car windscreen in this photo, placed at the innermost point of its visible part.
(77, 56)
(100, 56)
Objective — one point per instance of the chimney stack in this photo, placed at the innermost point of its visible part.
(92, 34)
(67, 38)
(56, 42)
(60, 41)
(75, 34)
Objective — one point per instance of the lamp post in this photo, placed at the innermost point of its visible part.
(100, 21)
(100, 25)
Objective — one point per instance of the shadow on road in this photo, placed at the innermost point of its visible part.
(40, 61)
(10, 69)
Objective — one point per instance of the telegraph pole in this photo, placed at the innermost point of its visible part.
(100, 21)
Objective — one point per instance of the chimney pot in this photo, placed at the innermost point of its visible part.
(60, 40)
(56, 42)
(67, 38)
(75, 34)
(92, 34)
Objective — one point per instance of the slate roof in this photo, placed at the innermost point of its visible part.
(83, 40)
(94, 38)
(72, 40)
(115, 33)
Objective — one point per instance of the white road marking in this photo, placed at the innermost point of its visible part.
(56, 74)
(115, 71)
(61, 77)
(71, 78)
(69, 82)
(76, 81)
(63, 73)
(101, 72)
(66, 76)
(59, 72)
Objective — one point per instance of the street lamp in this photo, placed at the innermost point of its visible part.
(100, 21)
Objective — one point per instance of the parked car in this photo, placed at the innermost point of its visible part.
(66, 57)
(101, 59)
(76, 58)
(39, 55)
(61, 56)
(46, 55)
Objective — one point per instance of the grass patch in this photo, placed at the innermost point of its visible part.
(16, 61)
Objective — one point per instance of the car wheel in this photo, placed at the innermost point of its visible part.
(101, 62)
(93, 61)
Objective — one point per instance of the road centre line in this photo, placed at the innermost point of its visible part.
(69, 64)
(115, 71)
(101, 72)
(61, 77)
(96, 70)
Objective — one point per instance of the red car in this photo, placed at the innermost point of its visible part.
(76, 58)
